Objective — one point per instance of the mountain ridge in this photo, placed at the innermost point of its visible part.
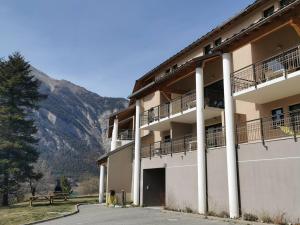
(72, 126)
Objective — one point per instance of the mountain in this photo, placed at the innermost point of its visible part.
(72, 123)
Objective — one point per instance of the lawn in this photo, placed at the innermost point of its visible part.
(21, 213)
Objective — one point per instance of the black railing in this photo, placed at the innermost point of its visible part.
(213, 98)
(266, 70)
(286, 125)
(160, 148)
(282, 126)
(126, 135)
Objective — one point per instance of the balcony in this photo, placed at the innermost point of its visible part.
(182, 110)
(260, 82)
(126, 135)
(286, 125)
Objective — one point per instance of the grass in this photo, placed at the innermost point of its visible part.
(22, 213)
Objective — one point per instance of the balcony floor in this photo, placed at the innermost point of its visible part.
(187, 116)
(271, 90)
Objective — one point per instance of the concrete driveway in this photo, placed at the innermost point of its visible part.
(100, 215)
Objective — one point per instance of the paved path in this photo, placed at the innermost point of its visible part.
(100, 215)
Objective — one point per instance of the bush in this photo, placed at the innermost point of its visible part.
(265, 218)
(212, 213)
(188, 210)
(280, 219)
(250, 217)
(223, 214)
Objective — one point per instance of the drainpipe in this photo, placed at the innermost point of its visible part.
(230, 139)
(201, 162)
(101, 184)
(137, 147)
(114, 136)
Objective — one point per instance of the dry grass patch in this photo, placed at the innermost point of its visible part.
(21, 213)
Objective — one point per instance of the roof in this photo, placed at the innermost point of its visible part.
(104, 157)
(192, 62)
(219, 48)
(245, 11)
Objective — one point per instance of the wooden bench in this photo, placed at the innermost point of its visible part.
(49, 197)
(60, 195)
(41, 197)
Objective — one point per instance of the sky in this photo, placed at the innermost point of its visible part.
(105, 45)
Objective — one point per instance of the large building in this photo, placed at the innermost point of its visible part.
(215, 127)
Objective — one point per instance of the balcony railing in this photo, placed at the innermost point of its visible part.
(215, 138)
(126, 135)
(282, 126)
(269, 69)
(160, 148)
(263, 129)
(187, 101)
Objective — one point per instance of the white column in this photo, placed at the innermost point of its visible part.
(101, 184)
(201, 162)
(230, 139)
(114, 136)
(137, 147)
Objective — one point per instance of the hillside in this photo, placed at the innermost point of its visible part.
(72, 123)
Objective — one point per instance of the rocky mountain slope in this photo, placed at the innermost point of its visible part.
(72, 123)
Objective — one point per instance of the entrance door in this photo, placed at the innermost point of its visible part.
(154, 187)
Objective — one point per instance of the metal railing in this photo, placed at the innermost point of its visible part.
(187, 101)
(160, 148)
(284, 125)
(215, 137)
(266, 70)
(126, 135)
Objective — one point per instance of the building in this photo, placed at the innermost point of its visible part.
(216, 126)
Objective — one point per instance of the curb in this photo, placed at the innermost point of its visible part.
(59, 217)
(228, 220)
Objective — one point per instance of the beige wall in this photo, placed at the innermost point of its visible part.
(119, 172)
(242, 57)
(151, 100)
(178, 130)
(282, 103)
(268, 179)
(251, 110)
(274, 43)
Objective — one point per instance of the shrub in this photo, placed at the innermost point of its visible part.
(250, 217)
(188, 210)
(223, 214)
(265, 218)
(280, 219)
(212, 213)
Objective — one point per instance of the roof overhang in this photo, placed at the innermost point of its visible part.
(190, 65)
(278, 19)
(123, 116)
(103, 158)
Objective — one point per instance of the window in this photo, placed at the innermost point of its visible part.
(207, 49)
(167, 138)
(174, 67)
(284, 3)
(268, 12)
(295, 117)
(218, 41)
(294, 107)
(168, 70)
(277, 117)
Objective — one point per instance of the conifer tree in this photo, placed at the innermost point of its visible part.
(19, 97)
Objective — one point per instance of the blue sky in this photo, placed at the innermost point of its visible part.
(105, 46)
